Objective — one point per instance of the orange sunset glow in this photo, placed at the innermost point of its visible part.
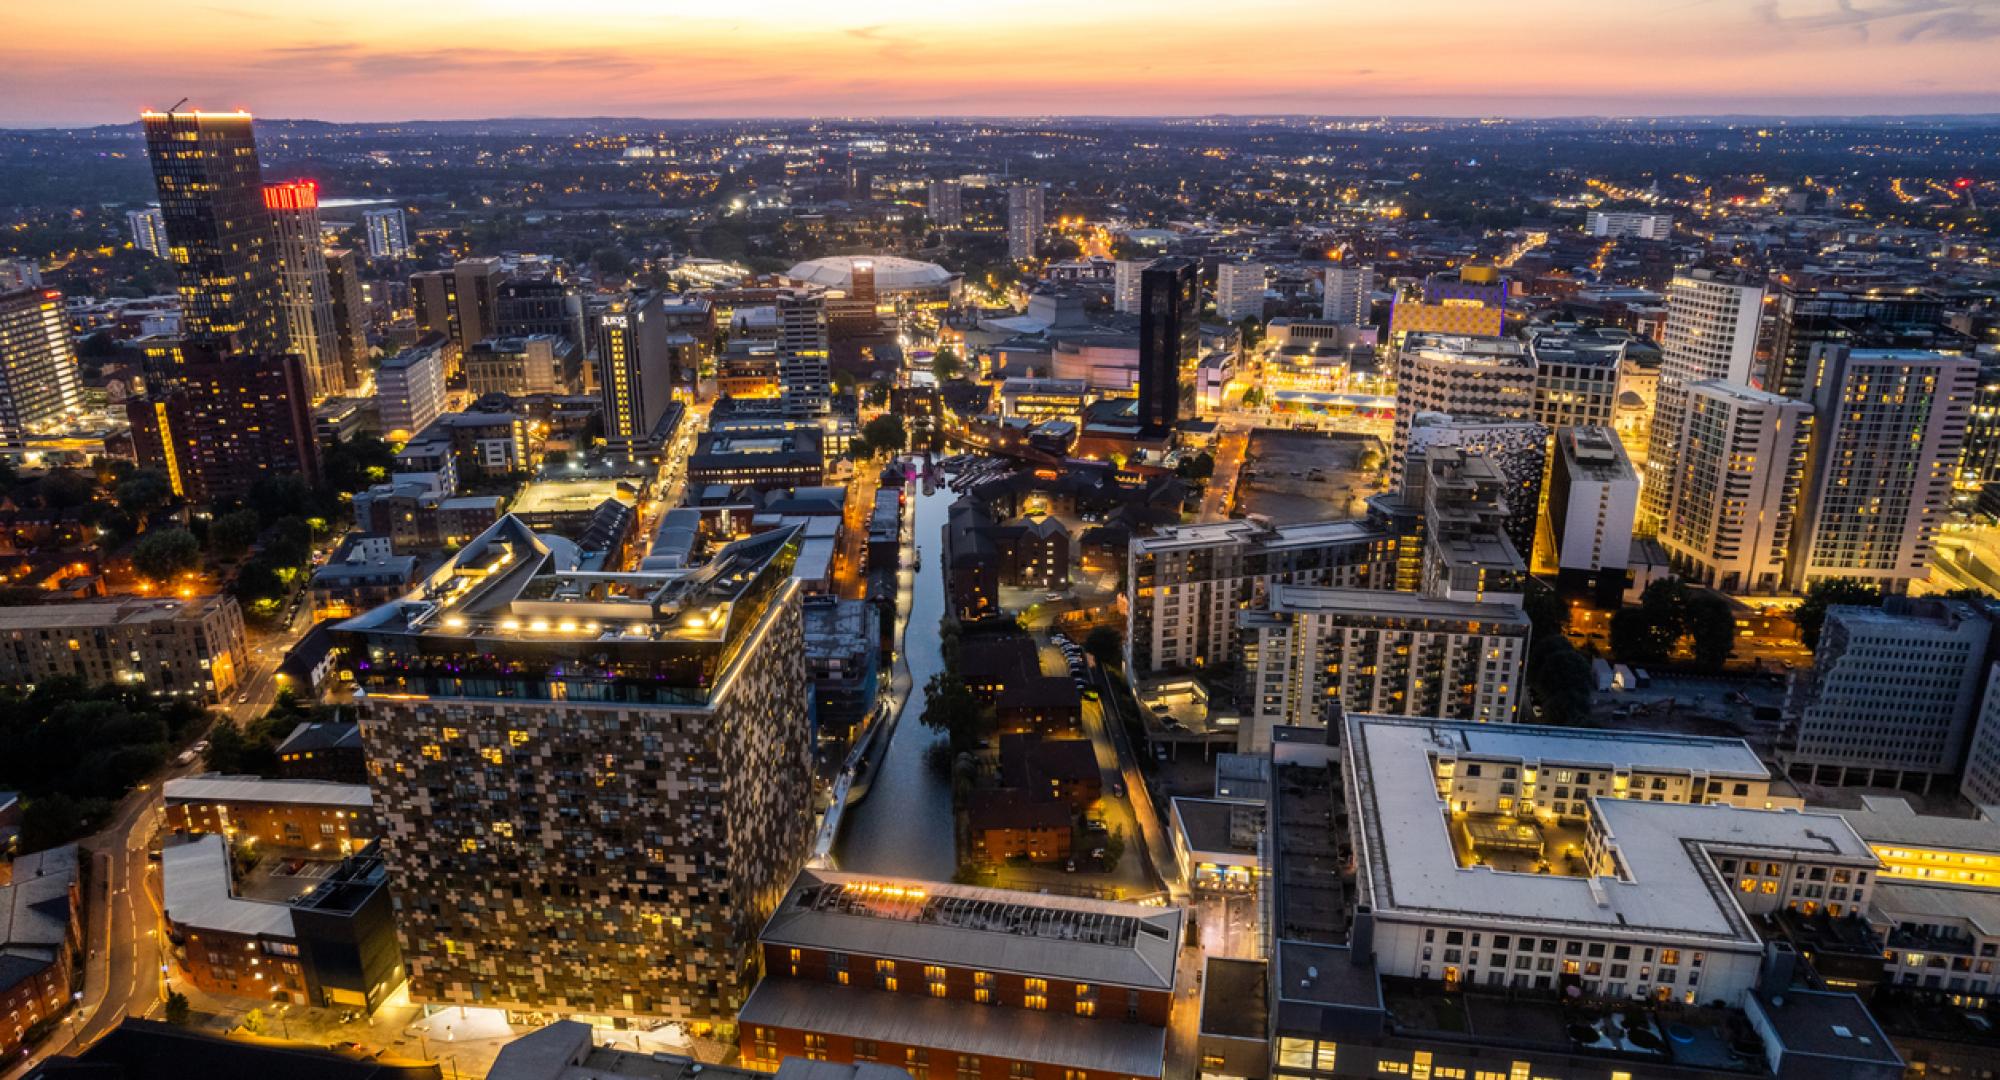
(380, 60)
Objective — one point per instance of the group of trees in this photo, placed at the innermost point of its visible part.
(1670, 614)
(252, 749)
(1558, 675)
(74, 749)
(883, 435)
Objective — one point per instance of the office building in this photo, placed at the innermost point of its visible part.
(1526, 835)
(461, 303)
(594, 787)
(634, 368)
(1905, 318)
(1628, 225)
(762, 456)
(1710, 334)
(388, 236)
(1169, 339)
(149, 231)
(1186, 584)
(1593, 502)
(1892, 696)
(1576, 379)
(1024, 220)
(1741, 457)
(1349, 297)
(39, 383)
(306, 288)
(941, 979)
(1472, 302)
(517, 366)
(531, 306)
(1888, 427)
(1457, 375)
(1308, 649)
(219, 233)
(216, 422)
(410, 389)
(1518, 450)
(805, 371)
(350, 316)
(1239, 291)
(189, 649)
(945, 204)
(1126, 275)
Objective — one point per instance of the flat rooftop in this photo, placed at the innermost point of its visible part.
(215, 788)
(1408, 864)
(1062, 937)
(95, 613)
(1326, 975)
(1241, 990)
(1379, 603)
(1885, 819)
(195, 881)
(1303, 534)
(570, 496)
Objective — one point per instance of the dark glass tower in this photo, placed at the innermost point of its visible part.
(1169, 338)
(218, 230)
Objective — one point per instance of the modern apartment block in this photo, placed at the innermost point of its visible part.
(593, 786)
(39, 383)
(167, 647)
(350, 315)
(1710, 334)
(1025, 213)
(1888, 428)
(410, 389)
(1239, 291)
(304, 286)
(1125, 278)
(1349, 295)
(1186, 584)
(1892, 695)
(1517, 449)
(387, 233)
(149, 231)
(1906, 318)
(1981, 780)
(944, 980)
(1459, 375)
(1464, 552)
(217, 423)
(945, 203)
(1741, 460)
(1631, 866)
(1593, 502)
(1576, 379)
(224, 251)
(805, 371)
(1308, 649)
(319, 817)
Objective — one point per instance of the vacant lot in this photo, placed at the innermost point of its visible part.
(1302, 476)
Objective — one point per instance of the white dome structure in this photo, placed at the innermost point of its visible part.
(893, 274)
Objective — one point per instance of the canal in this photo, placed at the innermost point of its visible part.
(904, 827)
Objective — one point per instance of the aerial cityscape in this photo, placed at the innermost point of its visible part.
(649, 546)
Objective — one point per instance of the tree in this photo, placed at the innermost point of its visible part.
(143, 492)
(1560, 680)
(1711, 628)
(353, 465)
(56, 818)
(177, 1008)
(951, 707)
(164, 554)
(1810, 615)
(945, 364)
(1547, 615)
(1105, 644)
(233, 533)
(886, 434)
(1253, 397)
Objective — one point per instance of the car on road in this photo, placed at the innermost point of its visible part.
(1053, 597)
(185, 757)
(200, 747)
(243, 699)
(1118, 789)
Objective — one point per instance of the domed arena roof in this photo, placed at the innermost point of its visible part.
(893, 273)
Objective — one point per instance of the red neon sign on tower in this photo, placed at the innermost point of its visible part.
(292, 195)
